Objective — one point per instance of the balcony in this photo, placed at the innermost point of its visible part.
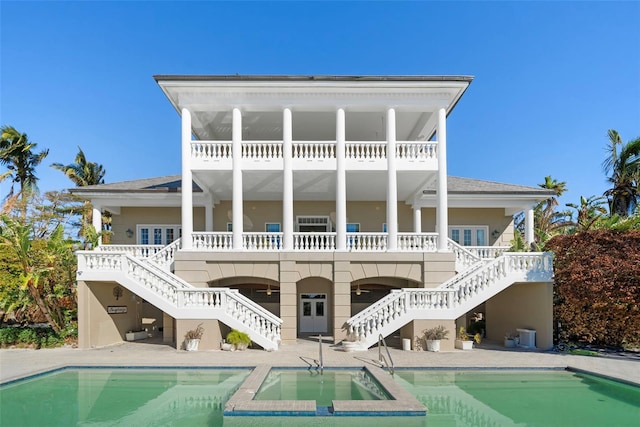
(314, 242)
(315, 155)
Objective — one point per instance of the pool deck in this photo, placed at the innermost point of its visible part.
(18, 363)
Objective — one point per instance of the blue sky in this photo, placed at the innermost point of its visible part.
(550, 77)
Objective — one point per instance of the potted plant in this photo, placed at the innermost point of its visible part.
(192, 338)
(511, 340)
(433, 336)
(465, 340)
(239, 340)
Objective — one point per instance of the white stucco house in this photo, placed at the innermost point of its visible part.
(312, 205)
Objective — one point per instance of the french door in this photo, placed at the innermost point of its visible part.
(313, 313)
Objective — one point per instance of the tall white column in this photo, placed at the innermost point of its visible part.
(529, 236)
(341, 182)
(417, 220)
(187, 185)
(236, 203)
(287, 190)
(96, 220)
(442, 206)
(392, 182)
(208, 213)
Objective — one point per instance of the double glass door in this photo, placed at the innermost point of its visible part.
(313, 313)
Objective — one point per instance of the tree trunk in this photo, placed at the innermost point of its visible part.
(35, 293)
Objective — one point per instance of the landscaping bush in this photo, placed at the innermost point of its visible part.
(597, 287)
(34, 336)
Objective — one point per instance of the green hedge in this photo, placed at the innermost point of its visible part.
(34, 336)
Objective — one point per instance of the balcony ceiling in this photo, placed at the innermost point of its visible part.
(313, 100)
(311, 185)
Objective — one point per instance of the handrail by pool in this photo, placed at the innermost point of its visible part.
(381, 357)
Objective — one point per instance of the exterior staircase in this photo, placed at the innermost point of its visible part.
(145, 272)
(476, 284)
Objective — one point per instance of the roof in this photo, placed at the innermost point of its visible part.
(171, 184)
(455, 185)
(303, 78)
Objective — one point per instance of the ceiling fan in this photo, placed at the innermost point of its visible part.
(359, 291)
(268, 291)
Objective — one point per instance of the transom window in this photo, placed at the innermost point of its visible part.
(472, 235)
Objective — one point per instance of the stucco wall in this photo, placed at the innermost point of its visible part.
(415, 332)
(525, 306)
(130, 217)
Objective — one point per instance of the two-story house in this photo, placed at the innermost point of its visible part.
(313, 205)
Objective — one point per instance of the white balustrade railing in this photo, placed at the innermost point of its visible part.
(213, 241)
(465, 259)
(417, 150)
(367, 242)
(165, 257)
(182, 295)
(211, 150)
(262, 241)
(487, 252)
(404, 305)
(366, 150)
(314, 241)
(262, 150)
(314, 150)
(417, 242)
(138, 251)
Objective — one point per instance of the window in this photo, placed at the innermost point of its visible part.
(157, 234)
(384, 227)
(472, 235)
(229, 226)
(353, 227)
(272, 227)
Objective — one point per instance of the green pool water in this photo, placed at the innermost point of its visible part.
(523, 398)
(196, 397)
(323, 388)
(120, 397)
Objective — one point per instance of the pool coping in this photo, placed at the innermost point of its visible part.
(402, 403)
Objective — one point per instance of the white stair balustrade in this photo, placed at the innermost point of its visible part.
(137, 251)
(487, 252)
(167, 255)
(180, 299)
(453, 298)
(465, 258)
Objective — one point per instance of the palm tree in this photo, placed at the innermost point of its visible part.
(623, 167)
(82, 172)
(589, 211)
(18, 155)
(547, 220)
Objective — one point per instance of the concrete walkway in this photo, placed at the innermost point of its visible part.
(18, 363)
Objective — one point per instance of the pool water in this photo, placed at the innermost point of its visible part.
(127, 397)
(339, 384)
(525, 398)
(196, 397)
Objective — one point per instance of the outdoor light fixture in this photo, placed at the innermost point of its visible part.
(495, 233)
(129, 233)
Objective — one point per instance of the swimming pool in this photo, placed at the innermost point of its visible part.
(197, 397)
(523, 397)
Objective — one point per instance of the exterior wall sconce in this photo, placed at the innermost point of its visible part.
(129, 233)
(495, 233)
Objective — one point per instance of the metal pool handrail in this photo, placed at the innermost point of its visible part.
(320, 352)
(381, 358)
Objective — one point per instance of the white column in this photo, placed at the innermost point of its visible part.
(287, 190)
(341, 182)
(392, 182)
(442, 204)
(529, 236)
(187, 185)
(236, 202)
(417, 220)
(96, 220)
(208, 213)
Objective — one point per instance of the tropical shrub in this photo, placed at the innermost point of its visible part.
(597, 287)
